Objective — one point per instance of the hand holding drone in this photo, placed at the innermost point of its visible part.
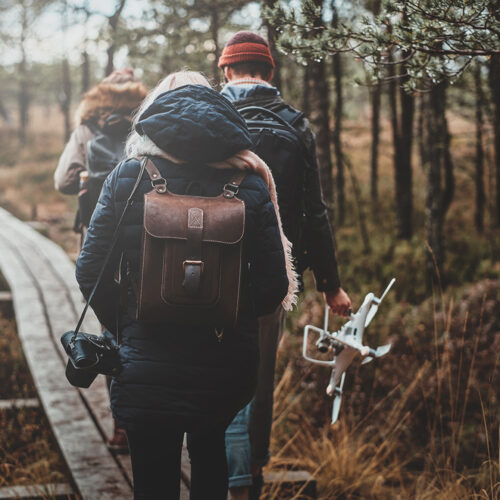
(345, 344)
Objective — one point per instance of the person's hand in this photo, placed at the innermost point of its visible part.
(339, 302)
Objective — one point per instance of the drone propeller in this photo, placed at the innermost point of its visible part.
(376, 301)
(382, 350)
(337, 399)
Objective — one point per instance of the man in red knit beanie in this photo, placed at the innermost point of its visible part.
(248, 69)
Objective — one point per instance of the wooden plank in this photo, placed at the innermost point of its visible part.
(288, 484)
(38, 492)
(80, 441)
(16, 404)
(64, 302)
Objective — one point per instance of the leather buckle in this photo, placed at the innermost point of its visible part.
(230, 190)
(193, 263)
(160, 185)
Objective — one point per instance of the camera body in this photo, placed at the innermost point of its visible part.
(88, 356)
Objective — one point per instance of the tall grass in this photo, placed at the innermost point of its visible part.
(429, 427)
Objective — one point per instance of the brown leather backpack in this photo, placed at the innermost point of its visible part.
(191, 255)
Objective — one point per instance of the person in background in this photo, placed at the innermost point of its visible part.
(248, 65)
(175, 378)
(119, 93)
(105, 111)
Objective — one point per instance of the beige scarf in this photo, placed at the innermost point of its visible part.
(246, 160)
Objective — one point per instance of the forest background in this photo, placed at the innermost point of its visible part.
(404, 98)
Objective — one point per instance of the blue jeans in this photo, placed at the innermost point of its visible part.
(248, 435)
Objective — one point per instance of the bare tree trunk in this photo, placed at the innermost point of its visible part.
(359, 207)
(494, 80)
(320, 121)
(337, 131)
(113, 21)
(272, 37)
(449, 176)
(4, 113)
(404, 172)
(420, 131)
(376, 93)
(110, 65)
(85, 71)
(23, 96)
(85, 55)
(214, 30)
(434, 223)
(375, 97)
(439, 197)
(65, 99)
(306, 91)
(65, 94)
(479, 171)
(402, 130)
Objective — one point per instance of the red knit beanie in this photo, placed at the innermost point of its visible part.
(246, 46)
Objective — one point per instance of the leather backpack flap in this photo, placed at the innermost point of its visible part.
(200, 240)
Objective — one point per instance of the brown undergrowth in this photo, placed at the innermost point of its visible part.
(420, 423)
(28, 453)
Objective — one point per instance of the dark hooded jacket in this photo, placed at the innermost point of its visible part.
(168, 369)
(315, 249)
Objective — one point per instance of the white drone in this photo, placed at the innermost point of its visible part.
(345, 344)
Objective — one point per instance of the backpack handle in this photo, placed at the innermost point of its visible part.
(281, 121)
(270, 113)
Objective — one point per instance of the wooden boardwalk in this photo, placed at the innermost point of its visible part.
(47, 302)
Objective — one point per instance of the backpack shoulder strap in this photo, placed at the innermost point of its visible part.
(158, 182)
(231, 188)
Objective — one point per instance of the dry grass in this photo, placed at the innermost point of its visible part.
(432, 434)
(28, 453)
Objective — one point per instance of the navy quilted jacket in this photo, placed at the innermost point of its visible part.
(167, 369)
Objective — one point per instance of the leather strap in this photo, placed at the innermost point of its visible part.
(157, 181)
(231, 188)
(114, 241)
(193, 265)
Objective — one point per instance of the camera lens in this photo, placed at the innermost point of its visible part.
(322, 345)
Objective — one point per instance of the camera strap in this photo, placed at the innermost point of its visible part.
(114, 241)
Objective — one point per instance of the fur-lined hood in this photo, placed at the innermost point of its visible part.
(105, 98)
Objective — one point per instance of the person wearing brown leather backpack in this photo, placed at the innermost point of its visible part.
(182, 373)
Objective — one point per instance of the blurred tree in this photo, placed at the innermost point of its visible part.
(182, 33)
(375, 99)
(113, 21)
(272, 37)
(439, 168)
(218, 13)
(479, 160)
(420, 42)
(84, 10)
(494, 80)
(65, 93)
(337, 128)
(22, 15)
(320, 118)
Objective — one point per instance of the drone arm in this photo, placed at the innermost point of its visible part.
(305, 345)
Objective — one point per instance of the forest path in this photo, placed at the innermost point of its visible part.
(47, 302)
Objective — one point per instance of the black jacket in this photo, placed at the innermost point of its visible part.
(167, 369)
(317, 250)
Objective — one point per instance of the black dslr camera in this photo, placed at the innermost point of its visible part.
(89, 355)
